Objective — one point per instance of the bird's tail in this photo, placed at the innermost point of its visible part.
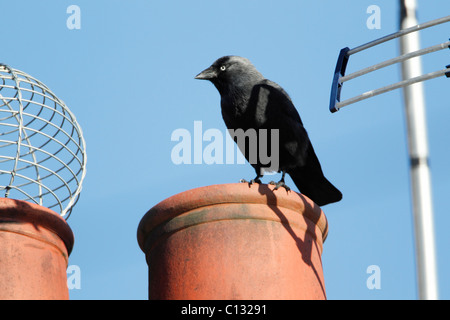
(311, 182)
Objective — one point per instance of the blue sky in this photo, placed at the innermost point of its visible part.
(128, 76)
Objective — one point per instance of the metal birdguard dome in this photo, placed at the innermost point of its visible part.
(42, 149)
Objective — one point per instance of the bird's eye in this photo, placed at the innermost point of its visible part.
(223, 68)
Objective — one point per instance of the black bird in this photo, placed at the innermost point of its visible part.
(249, 101)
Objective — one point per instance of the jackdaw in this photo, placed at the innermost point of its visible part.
(249, 101)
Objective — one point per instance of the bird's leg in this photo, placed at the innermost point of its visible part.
(256, 180)
(280, 183)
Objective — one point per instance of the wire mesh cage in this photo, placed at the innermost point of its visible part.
(42, 149)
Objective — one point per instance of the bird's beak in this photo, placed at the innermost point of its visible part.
(207, 74)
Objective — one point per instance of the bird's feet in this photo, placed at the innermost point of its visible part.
(279, 184)
(256, 180)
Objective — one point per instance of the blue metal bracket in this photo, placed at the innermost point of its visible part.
(336, 87)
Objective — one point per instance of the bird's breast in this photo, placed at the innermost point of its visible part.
(233, 108)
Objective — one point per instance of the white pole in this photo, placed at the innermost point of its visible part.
(418, 152)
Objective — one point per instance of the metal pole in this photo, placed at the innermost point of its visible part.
(418, 153)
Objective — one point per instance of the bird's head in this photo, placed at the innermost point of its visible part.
(231, 71)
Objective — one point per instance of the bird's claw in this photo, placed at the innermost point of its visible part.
(256, 180)
(279, 184)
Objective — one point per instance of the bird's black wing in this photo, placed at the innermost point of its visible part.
(271, 107)
(278, 102)
(297, 156)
